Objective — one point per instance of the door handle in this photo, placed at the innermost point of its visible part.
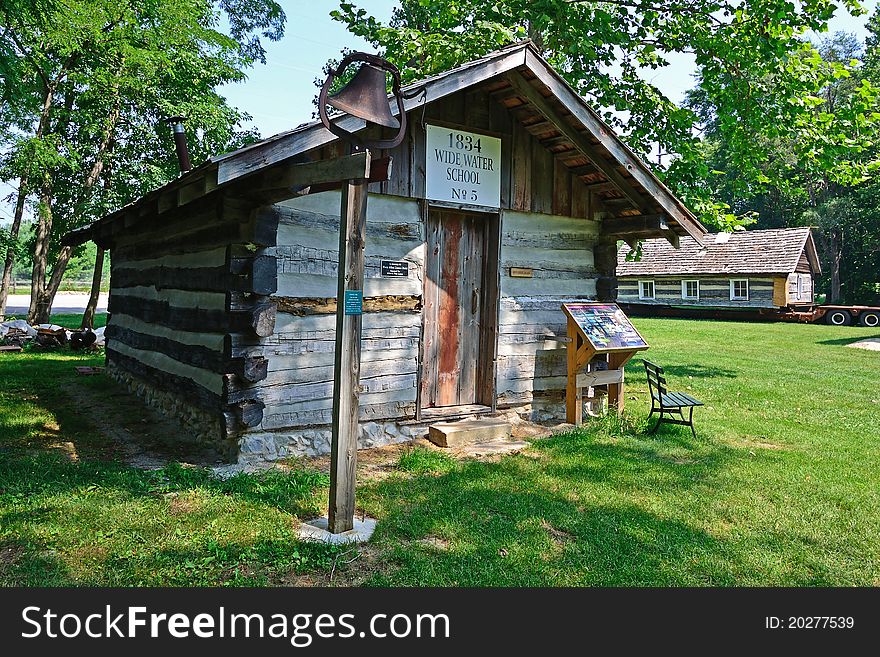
(475, 301)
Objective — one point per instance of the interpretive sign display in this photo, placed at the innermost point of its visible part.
(462, 167)
(605, 325)
(597, 332)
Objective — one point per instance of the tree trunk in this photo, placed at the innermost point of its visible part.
(38, 313)
(10, 252)
(88, 320)
(58, 273)
(42, 293)
(42, 128)
(836, 255)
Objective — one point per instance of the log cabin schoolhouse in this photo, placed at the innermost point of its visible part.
(772, 268)
(223, 282)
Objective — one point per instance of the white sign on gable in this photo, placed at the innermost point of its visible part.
(463, 167)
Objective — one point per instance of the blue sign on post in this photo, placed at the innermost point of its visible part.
(354, 302)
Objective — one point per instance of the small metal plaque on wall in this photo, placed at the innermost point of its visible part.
(354, 302)
(521, 272)
(394, 269)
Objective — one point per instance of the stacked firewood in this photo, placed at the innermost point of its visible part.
(16, 335)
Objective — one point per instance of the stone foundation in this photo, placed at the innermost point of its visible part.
(197, 425)
(315, 441)
(538, 410)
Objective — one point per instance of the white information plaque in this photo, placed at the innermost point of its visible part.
(463, 167)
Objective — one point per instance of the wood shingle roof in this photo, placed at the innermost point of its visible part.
(774, 251)
(518, 78)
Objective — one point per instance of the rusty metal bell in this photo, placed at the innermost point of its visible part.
(366, 97)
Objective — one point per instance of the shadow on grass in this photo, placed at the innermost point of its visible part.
(109, 519)
(635, 368)
(26, 563)
(699, 371)
(45, 405)
(68, 506)
(846, 341)
(30, 476)
(37, 413)
(584, 512)
(258, 563)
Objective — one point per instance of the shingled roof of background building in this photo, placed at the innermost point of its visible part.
(774, 251)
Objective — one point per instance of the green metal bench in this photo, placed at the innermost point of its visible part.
(668, 403)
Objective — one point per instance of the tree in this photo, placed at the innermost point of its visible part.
(20, 102)
(757, 73)
(794, 193)
(98, 78)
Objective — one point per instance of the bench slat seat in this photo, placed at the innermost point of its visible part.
(669, 404)
(679, 399)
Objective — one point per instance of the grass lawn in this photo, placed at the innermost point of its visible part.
(780, 488)
(74, 321)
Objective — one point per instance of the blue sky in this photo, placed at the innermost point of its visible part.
(279, 95)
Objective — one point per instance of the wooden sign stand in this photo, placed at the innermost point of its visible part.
(581, 351)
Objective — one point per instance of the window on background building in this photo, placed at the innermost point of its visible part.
(646, 289)
(690, 289)
(739, 289)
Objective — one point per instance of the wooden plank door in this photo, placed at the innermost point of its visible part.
(453, 301)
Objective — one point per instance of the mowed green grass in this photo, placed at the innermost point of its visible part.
(74, 321)
(780, 487)
(71, 514)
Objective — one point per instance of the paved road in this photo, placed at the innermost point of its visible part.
(65, 302)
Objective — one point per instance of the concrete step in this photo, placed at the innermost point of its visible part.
(468, 432)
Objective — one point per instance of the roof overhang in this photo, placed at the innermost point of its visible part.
(527, 72)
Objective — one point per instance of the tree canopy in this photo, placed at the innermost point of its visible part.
(759, 80)
(846, 212)
(86, 86)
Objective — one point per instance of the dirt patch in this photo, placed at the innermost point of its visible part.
(871, 344)
(522, 429)
(435, 543)
(350, 567)
(9, 555)
(304, 580)
(354, 572)
(378, 463)
(140, 435)
(67, 448)
(183, 504)
(88, 552)
(559, 537)
(373, 464)
(757, 442)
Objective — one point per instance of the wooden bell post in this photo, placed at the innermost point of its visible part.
(365, 97)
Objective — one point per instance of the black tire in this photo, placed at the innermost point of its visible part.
(838, 318)
(870, 319)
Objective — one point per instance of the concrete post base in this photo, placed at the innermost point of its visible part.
(316, 530)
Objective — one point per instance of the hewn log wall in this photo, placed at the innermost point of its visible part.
(298, 389)
(183, 290)
(531, 364)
